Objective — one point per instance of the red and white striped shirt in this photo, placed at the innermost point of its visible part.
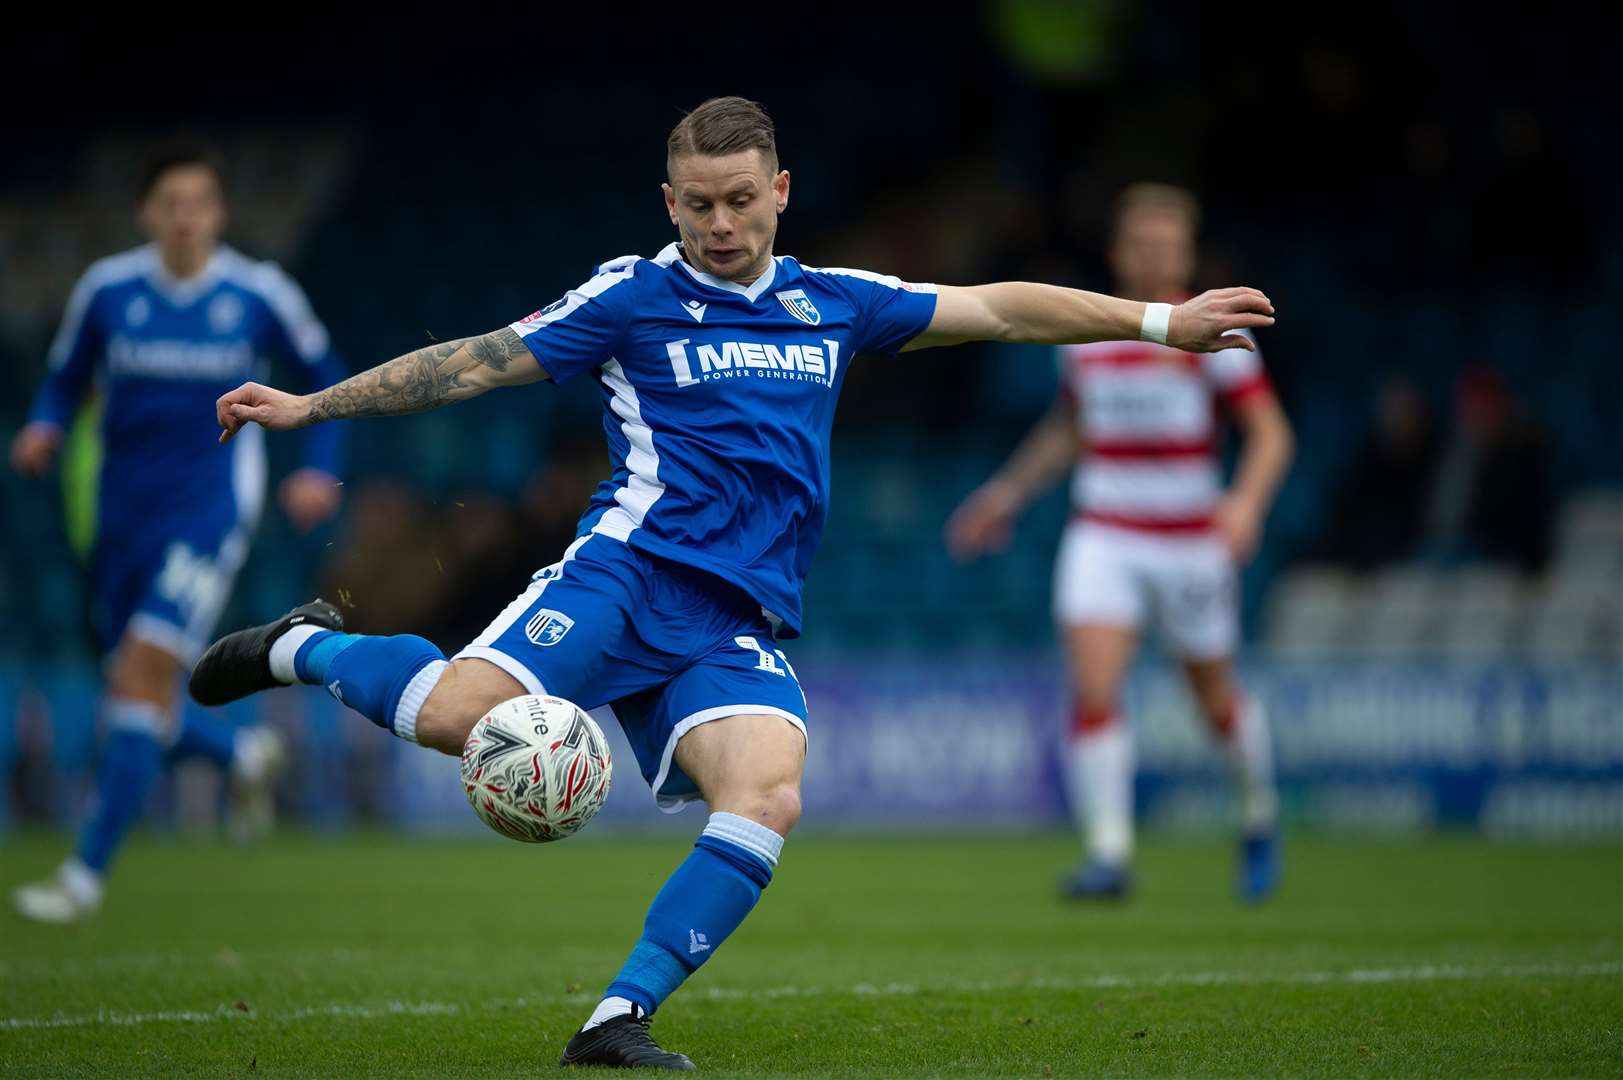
(1149, 420)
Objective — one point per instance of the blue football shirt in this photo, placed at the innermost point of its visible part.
(162, 351)
(718, 402)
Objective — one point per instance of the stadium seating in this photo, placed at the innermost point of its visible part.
(1573, 612)
(1308, 613)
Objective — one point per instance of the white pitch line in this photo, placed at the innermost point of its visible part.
(1355, 977)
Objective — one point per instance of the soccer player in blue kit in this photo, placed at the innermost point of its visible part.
(161, 331)
(719, 364)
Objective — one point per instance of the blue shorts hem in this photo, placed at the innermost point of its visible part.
(528, 679)
(672, 802)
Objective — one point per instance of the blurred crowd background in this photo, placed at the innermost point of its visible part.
(1437, 611)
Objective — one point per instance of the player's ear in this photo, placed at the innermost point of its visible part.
(670, 203)
(780, 188)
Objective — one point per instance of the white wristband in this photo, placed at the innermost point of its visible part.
(1157, 317)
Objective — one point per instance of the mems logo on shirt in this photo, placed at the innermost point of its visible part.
(806, 362)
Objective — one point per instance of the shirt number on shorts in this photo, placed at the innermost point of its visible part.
(769, 661)
(190, 581)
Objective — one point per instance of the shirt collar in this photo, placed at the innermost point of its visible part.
(182, 291)
(753, 291)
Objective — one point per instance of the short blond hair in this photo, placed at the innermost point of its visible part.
(1164, 198)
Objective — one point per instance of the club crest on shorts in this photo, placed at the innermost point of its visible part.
(548, 627)
(797, 304)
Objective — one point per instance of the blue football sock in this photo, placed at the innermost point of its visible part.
(703, 902)
(370, 674)
(129, 764)
(317, 653)
(203, 735)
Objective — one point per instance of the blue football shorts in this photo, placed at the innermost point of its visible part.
(664, 646)
(166, 582)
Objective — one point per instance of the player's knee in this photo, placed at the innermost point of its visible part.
(143, 672)
(1215, 694)
(466, 690)
(776, 806)
(1097, 700)
(1098, 692)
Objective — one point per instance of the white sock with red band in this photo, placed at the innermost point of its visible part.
(1099, 776)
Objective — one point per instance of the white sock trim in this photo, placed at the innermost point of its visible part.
(411, 702)
(608, 1009)
(141, 716)
(286, 647)
(752, 836)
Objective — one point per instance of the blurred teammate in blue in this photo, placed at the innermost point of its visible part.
(158, 333)
(719, 364)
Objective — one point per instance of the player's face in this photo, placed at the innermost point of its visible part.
(726, 209)
(184, 214)
(1154, 254)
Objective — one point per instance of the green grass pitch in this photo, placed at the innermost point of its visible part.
(872, 957)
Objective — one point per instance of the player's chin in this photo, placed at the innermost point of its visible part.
(726, 262)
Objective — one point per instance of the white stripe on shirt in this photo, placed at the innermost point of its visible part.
(643, 487)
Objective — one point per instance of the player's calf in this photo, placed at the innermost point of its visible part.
(375, 676)
(748, 768)
(402, 683)
(462, 692)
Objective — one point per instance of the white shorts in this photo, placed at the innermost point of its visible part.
(1109, 576)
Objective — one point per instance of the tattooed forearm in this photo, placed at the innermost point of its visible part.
(496, 351)
(425, 379)
(410, 383)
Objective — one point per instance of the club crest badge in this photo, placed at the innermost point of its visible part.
(225, 313)
(796, 303)
(548, 627)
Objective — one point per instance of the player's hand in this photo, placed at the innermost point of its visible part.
(984, 521)
(309, 497)
(33, 450)
(271, 409)
(1239, 523)
(1206, 323)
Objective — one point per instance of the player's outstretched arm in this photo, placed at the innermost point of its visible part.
(1267, 447)
(424, 379)
(1021, 311)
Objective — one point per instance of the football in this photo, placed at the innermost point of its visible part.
(536, 768)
